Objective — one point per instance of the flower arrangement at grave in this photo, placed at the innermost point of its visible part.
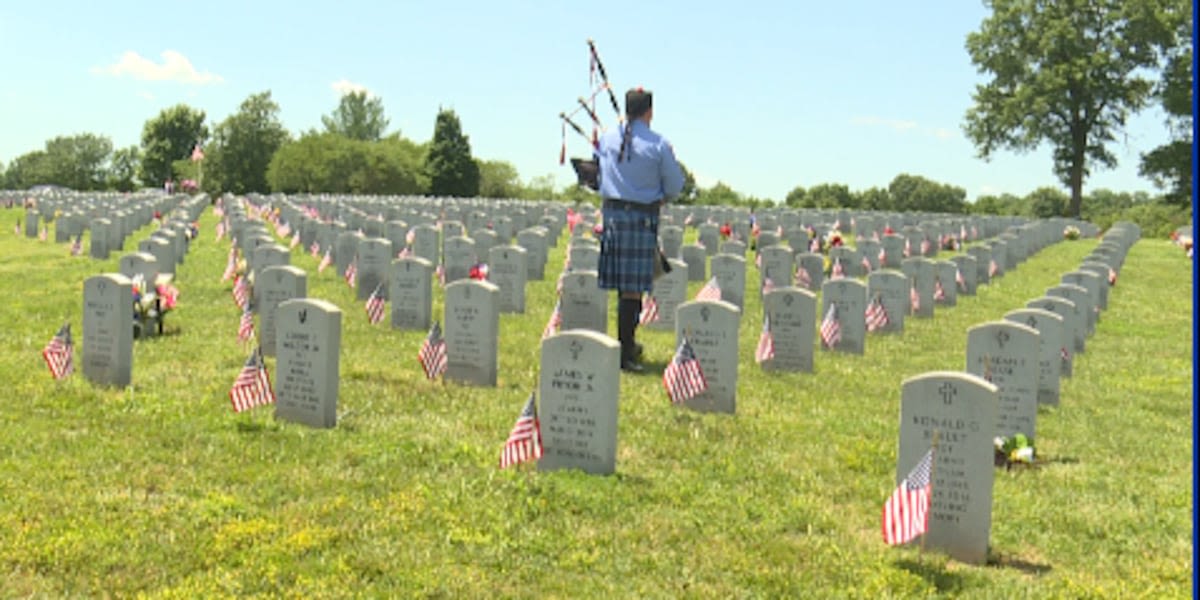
(1071, 232)
(950, 243)
(1017, 450)
(726, 231)
(833, 240)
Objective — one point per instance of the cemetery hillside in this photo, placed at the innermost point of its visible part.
(253, 356)
(238, 420)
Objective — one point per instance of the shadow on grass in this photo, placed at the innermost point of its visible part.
(934, 573)
(1009, 561)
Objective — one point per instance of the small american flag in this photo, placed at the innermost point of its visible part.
(352, 273)
(525, 440)
(875, 236)
(914, 298)
(683, 377)
(411, 236)
(405, 253)
(710, 291)
(220, 230)
(974, 232)
(876, 315)
(554, 322)
(882, 257)
(907, 248)
(325, 262)
(768, 286)
(962, 232)
(433, 352)
(993, 268)
(314, 249)
(939, 292)
(253, 385)
(246, 325)
(17, 228)
(42, 234)
(441, 276)
(766, 343)
(925, 247)
(375, 305)
(804, 278)
(295, 241)
(77, 245)
(866, 263)
(831, 328)
(241, 292)
(814, 245)
(230, 265)
(558, 285)
(906, 512)
(1112, 277)
(837, 271)
(1064, 354)
(649, 310)
(959, 281)
(60, 353)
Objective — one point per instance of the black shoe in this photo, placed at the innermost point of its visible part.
(637, 351)
(632, 366)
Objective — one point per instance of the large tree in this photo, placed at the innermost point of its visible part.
(498, 179)
(1170, 165)
(452, 171)
(123, 172)
(169, 137)
(358, 117)
(328, 162)
(243, 145)
(915, 193)
(1066, 72)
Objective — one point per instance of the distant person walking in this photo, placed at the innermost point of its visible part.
(638, 174)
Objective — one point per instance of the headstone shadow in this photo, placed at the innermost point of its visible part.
(934, 573)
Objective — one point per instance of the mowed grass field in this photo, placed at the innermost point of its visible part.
(160, 490)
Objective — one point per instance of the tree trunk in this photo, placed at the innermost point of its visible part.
(1076, 189)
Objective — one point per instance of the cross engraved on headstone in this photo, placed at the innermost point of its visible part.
(575, 348)
(948, 391)
(1033, 322)
(1001, 338)
(788, 301)
(704, 314)
(303, 315)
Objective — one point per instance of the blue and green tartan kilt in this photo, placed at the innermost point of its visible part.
(628, 249)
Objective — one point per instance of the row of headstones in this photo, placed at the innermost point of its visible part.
(998, 396)
(108, 311)
(110, 219)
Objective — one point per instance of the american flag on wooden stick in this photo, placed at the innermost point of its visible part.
(649, 310)
(253, 385)
(59, 353)
(710, 291)
(246, 325)
(803, 278)
(325, 261)
(525, 440)
(554, 322)
(766, 343)
(959, 281)
(831, 328)
(352, 273)
(906, 512)
(375, 305)
(939, 292)
(432, 355)
(914, 299)
(241, 292)
(837, 271)
(77, 245)
(876, 315)
(683, 377)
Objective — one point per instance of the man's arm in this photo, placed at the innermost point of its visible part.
(670, 172)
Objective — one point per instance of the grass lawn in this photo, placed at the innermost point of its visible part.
(160, 490)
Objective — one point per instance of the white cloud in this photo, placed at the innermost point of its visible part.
(344, 87)
(174, 67)
(895, 124)
(146, 96)
(942, 133)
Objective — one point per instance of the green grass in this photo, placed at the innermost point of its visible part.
(160, 490)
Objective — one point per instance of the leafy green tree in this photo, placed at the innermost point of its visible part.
(498, 179)
(796, 197)
(243, 145)
(28, 170)
(328, 162)
(123, 170)
(874, 199)
(688, 194)
(720, 194)
(1060, 71)
(168, 137)
(452, 171)
(1170, 166)
(918, 194)
(1004, 204)
(1046, 202)
(357, 117)
(540, 188)
(829, 195)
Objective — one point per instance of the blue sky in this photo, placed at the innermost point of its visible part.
(761, 96)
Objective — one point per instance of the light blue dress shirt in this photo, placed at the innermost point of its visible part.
(649, 172)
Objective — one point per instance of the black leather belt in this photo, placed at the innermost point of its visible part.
(650, 209)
